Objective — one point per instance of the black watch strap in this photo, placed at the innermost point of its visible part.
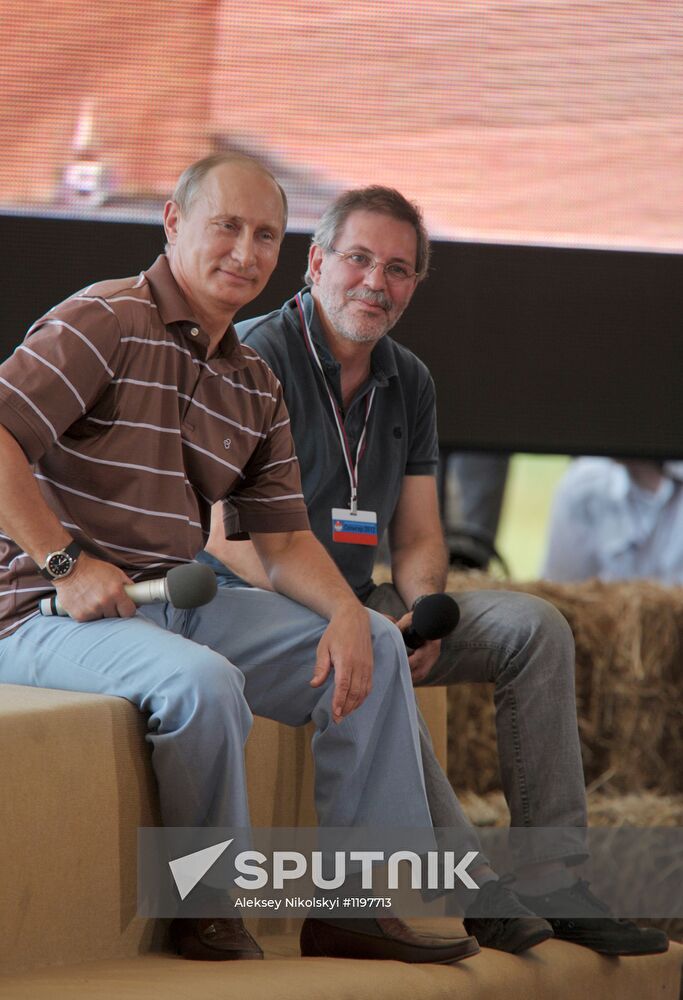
(72, 550)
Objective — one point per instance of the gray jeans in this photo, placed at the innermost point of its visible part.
(524, 646)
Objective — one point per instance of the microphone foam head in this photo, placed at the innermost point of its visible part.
(191, 585)
(435, 616)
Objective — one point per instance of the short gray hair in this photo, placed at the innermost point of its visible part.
(190, 181)
(383, 201)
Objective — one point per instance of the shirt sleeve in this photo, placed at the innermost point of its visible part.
(270, 343)
(571, 547)
(55, 376)
(270, 498)
(423, 452)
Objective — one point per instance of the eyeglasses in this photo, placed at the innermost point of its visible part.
(363, 262)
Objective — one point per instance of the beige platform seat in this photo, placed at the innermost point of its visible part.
(553, 971)
(76, 783)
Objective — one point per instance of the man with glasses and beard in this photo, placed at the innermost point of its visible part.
(362, 409)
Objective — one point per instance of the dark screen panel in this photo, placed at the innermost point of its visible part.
(532, 348)
(548, 349)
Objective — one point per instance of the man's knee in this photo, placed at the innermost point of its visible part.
(538, 641)
(384, 631)
(527, 618)
(203, 686)
(389, 649)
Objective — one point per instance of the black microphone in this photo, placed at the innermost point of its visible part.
(187, 586)
(434, 616)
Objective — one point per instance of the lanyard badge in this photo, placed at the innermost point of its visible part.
(359, 528)
(350, 526)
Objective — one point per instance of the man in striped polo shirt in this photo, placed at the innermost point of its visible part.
(130, 409)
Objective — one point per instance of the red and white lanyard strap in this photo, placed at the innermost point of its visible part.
(351, 464)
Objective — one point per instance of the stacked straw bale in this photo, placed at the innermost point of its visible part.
(629, 685)
(639, 809)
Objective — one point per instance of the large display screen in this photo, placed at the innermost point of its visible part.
(539, 121)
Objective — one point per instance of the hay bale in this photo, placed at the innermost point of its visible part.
(646, 809)
(629, 686)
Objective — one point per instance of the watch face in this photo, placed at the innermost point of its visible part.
(60, 564)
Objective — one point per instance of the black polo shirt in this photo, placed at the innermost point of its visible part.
(401, 436)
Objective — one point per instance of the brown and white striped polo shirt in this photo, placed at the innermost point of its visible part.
(133, 433)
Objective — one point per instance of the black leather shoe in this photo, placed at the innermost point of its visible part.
(381, 938)
(220, 940)
(576, 915)
(516, 929)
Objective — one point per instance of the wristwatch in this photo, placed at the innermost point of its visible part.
(60, 563)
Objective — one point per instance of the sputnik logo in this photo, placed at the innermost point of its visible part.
(191, 868)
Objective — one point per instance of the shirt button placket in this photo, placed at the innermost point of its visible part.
(187, 423)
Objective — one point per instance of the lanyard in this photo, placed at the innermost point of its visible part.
(351, 465)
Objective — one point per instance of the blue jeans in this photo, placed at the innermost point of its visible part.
(198, 675)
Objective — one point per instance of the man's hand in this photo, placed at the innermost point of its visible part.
(346, 648)
(423, 659)
(95, 590)
(298, 566)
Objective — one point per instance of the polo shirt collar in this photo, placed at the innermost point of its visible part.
(174, 308)
(382, 360)
(623, 488)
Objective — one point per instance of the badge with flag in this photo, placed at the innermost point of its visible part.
(354, 529)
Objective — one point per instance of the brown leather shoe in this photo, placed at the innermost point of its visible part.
(382, 938)
(220, 940)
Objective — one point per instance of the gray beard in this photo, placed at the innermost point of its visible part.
(346, 332)
(356, 336)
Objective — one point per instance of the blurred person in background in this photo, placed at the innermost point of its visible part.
(617, 520)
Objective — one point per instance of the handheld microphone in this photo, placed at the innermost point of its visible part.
(187, 586)
(434, 616)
